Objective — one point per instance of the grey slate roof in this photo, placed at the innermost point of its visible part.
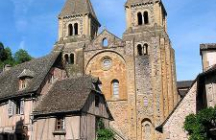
(26, 73)
(9, 80)
(184, 84)
(67, 95)
(77, 7)
(208, 46)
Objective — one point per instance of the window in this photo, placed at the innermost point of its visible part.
(139, 18)
(146, 129)
(23, 83)
(139, 49)
(15, 107)
(105, 42)
(145, 51)
(60, 124)
(146, 18)
(66, 59)
(97, 101)
(72, 58)
(115, 85)
(145, 102)
(70, 29)
(76, 31)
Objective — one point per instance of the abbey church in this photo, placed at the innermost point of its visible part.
(130, 82)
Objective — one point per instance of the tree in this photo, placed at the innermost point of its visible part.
(102, 132)
(1, 50)
(198, 125)
(22, 56)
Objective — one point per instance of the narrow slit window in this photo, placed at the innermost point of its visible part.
(115, 85)
(105, 42)
(70, 29)
(72, 58)
(76, 29)
(139, 50)
(145, 51)
(139, 18)
(66, 59)
(146, 18)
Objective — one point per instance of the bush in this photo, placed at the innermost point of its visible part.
(198, 126)
(105, 134)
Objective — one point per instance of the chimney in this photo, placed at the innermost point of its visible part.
(208, 55)
(7, 67)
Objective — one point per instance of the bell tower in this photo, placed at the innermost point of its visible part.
(78, 20)
(78, 26)
(145, 13)
(154, 67)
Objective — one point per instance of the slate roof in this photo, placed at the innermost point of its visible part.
(69, 95)
(184, 84)
(9, 80)
(208, 46)
(77, 7)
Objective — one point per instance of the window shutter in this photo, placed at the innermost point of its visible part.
(22, 102)
(10, 108)
(63, 123)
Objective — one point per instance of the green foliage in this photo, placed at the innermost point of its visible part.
(105, 134)
(6, 56)
(102, 132)
(198, 126)
(22, 56)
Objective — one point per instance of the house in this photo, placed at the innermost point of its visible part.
(200, 95)
(38, 101)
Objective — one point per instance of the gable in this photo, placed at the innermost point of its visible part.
(99, 41)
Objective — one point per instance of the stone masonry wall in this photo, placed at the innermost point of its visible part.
(173, 128)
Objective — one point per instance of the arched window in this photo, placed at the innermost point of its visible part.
(76, 29)
(72, 58)
(139, 18)
(146, 130)
(145, 51)
(115, 86)
(139, 50)
(66, 59)
(105, 42)
(146, 18)
(70, 29)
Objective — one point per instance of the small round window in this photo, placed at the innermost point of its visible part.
(106, 63)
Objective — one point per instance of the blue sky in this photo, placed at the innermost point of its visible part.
(32, 25)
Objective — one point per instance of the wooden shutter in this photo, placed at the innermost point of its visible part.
(22, 102)
(10, 108)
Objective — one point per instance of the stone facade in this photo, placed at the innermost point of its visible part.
(137, 72)
(173, 127)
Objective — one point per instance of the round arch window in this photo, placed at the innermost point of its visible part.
(106, 63)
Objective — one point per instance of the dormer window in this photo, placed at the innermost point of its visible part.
(23, 83)
(24, 78)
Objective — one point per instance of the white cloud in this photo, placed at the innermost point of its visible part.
(22, 44)
(20, 11)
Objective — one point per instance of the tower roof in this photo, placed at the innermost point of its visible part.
(76, 7)
(134, 2)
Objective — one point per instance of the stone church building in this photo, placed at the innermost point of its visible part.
(136, 74)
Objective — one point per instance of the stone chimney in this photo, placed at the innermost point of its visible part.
(208, 54)
(7, 67)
